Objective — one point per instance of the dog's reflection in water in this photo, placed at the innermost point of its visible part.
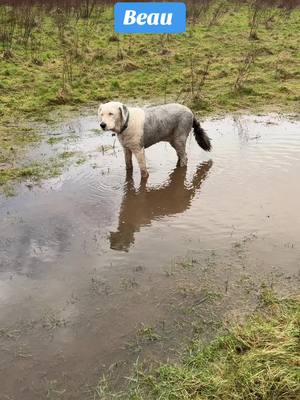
(140, 206)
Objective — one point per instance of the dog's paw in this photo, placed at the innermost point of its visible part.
(144, 174)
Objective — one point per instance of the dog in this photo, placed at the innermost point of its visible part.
(138, 128)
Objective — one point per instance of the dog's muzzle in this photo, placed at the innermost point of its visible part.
(103, 125)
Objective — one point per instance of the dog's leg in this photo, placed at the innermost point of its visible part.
(140, 156)
(128, 159)
(179, 146)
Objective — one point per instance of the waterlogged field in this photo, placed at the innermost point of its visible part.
(232, 57)
(98, 271)
(102, 276)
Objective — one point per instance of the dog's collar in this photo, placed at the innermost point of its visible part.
(125, 126)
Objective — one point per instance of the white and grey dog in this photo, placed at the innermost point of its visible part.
(138, 128)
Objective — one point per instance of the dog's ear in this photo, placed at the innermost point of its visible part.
(124, 112)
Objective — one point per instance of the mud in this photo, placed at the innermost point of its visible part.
(97, 269)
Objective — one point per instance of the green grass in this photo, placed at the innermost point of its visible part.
(147, 333)
(104, 65)
(12, 139)
(86, 62)
(259, 359)
(35, 171)
(54, 139)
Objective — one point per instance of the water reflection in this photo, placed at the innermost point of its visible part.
(141, 206)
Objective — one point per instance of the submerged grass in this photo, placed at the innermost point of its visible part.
(37, 170)
(259, 359)
(34, 171)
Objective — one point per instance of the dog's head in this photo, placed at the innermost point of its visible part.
(112, 116)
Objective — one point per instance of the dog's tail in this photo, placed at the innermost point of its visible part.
(201, 137)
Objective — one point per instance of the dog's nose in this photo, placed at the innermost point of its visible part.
(103, 125)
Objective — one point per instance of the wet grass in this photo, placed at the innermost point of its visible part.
(35, 171)
(12, 140)
(55, 139)
(67, 154)
(104, 65)
(256, 359)
(148, 333)
(52, 321)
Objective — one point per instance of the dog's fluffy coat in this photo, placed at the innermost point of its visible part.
(138, 128)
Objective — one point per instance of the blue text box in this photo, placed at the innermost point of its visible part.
(150, 17)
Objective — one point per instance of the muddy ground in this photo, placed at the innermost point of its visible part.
(97, 270)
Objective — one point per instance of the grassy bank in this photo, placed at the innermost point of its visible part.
(259, 359)
(232, 57)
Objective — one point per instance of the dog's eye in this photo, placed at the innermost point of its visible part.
(110, 114)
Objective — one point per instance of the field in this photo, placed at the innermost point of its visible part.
(233, 57)
(181, 287)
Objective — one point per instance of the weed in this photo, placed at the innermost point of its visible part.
(52, 321)
(67, 154)
(244, 68)
(10, 334)
(147, 333)
(129, 283)
(54, 139)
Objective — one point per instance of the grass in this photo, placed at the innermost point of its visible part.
(214, 67)
(258, 359)
(12, 140)
(105, 65)
(34, 171)
(147, 333)
(54, 139)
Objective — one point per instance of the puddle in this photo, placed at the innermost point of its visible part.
(91, 259)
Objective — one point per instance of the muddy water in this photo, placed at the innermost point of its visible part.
(97, 268)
